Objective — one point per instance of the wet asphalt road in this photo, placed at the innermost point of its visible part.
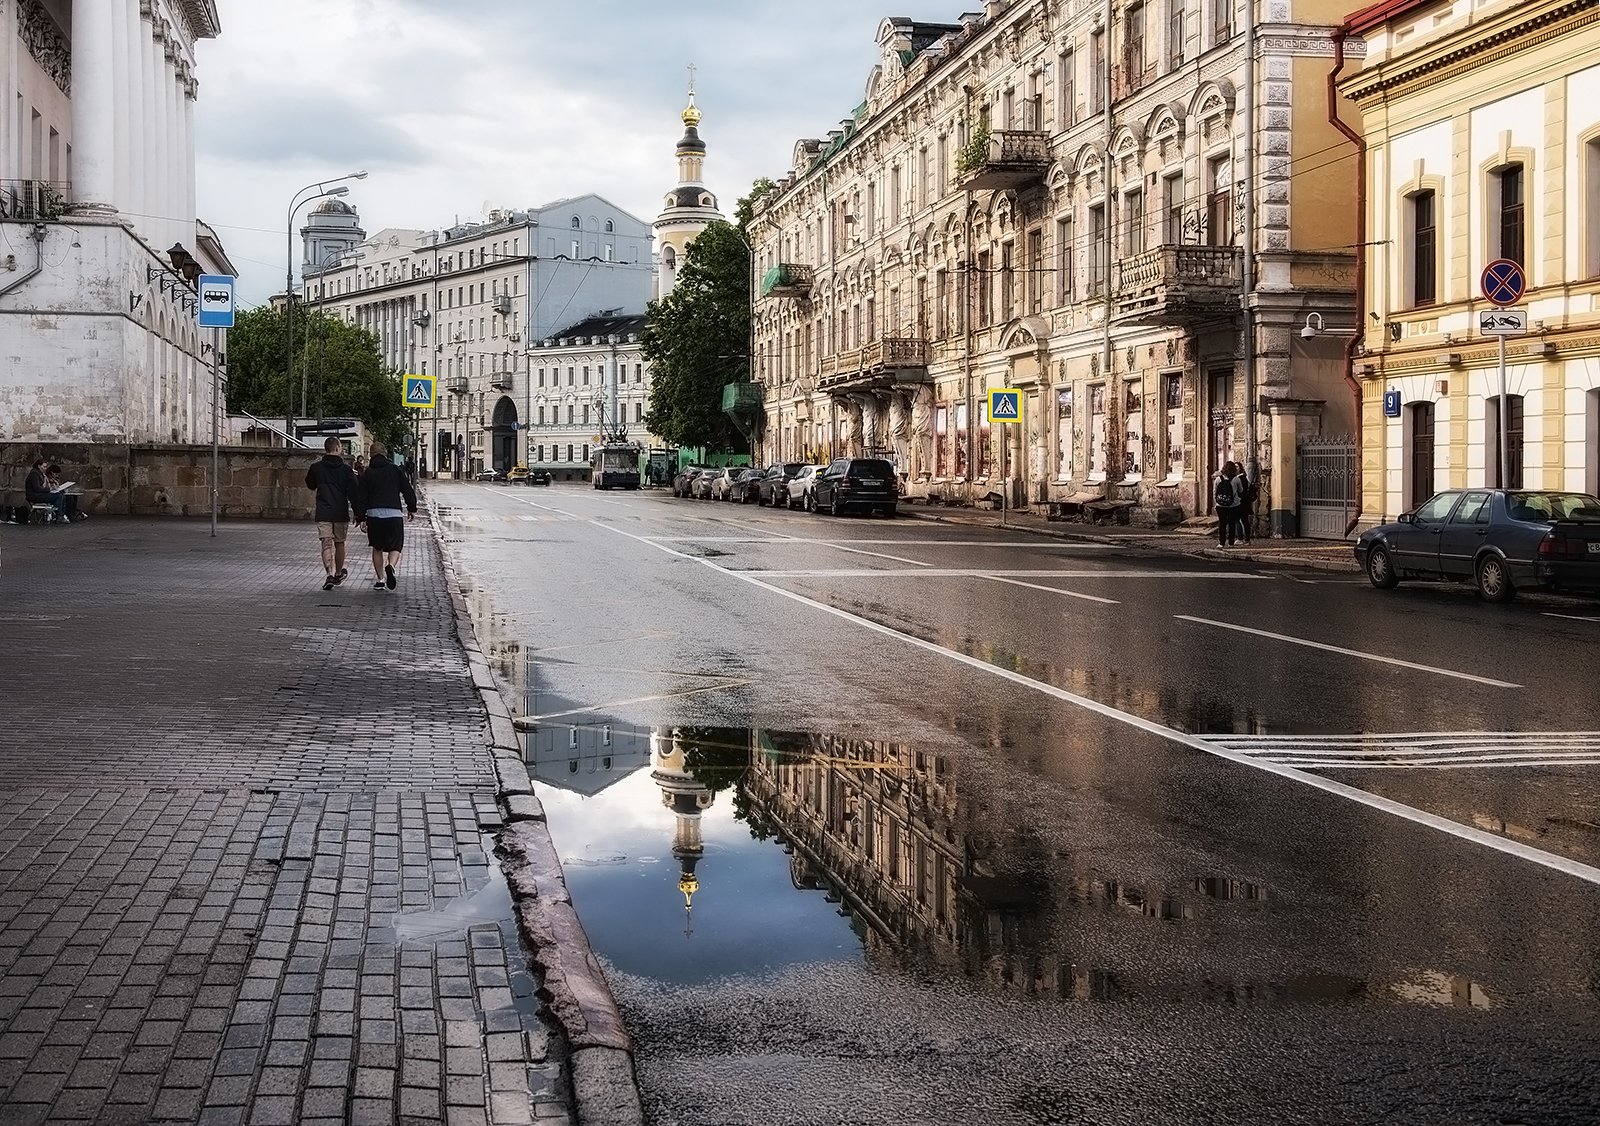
(991, 828)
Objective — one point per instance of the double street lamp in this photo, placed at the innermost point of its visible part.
(302, 197)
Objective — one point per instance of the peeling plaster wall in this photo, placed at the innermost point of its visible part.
(93, 348)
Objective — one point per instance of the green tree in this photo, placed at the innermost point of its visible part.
(337, 366)
(697, 340)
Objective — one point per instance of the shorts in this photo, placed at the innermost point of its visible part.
(332, 531)
(387, 533)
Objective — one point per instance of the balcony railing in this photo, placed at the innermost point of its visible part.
(500, 381)
(1177, 284)
(33, 201)
(881, 363)
(742, 397)
(787, 279)
(1010, 158)
(457, 384)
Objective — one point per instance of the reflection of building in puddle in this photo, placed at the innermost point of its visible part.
(585, 758)
(1433, 987)
(941, 877)
(672, 749)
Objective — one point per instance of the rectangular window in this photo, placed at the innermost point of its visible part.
(942, 182)
(1221, 417)
(1175, 16)
(571, 415)
(942, 297)
(1424, 252)
(1511, 232)
(925, 176)
(1097, 432)
(1221, 21)
(638, 412)
(1172, 208)
(985, 287)
(541, 414)
(1064, 257)
(1591, 206)
(638, 373)
(1133, 223)
(1133, 47)
(1172, 400)
(1513, 442)
(1219, 202)
(1421, 454)
(1097, 71)
(586, 375)
(1133, 418)
(1008, 282)
(1066, 89)
(1064, 435)
(569, 452)
(1035, 267)
(1097, 250)
(961, 440)
(941, 440)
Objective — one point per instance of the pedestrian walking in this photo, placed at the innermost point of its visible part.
(383, 488)
(1227, 498)
(335, 485)
(1245, 512)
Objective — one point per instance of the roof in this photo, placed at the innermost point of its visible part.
(1376, 15)
(616, 324)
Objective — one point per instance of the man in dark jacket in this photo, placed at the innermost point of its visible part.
(383, 488)
(335, 486)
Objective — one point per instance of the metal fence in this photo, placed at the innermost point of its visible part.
(1329, 483)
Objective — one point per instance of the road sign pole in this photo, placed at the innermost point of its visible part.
(1505, 416)
(1005, 482)
(216, 427)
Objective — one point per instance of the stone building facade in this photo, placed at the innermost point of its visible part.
(1123, 210)
(101, 247)
(588, 379)
(1482, 138)
(467, 304)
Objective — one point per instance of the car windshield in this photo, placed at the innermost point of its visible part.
(789, 469)
(1538, 506)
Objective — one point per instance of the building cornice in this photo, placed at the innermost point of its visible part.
(1519, 28)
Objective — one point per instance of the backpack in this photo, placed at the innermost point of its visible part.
(1226, 495)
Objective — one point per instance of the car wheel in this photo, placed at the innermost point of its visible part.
(833, 506)
(811, 502)
(1380, 569)
(1494, 580)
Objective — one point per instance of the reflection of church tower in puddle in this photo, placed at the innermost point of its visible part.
(682, 793)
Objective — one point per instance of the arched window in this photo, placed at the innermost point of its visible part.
(577, 223)
(611, 227)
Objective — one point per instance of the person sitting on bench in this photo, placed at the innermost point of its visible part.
(37, 488)
(65, 503)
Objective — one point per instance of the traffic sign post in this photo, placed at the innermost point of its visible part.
(1504, 283)
(1005, 407)
(420, 392)
(215, 312)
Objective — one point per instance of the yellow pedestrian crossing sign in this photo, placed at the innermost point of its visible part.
(1005, 405)
(419, 392)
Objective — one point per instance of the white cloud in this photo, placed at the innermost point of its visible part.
(509, 103)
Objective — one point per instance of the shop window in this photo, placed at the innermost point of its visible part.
(1133, 415)
(1098, 435)
(1064, 436)
(941, 440)
(1172, 410)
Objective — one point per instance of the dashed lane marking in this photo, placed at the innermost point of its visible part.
(1056, 590)
(1573, 617)
(1378, 657)
(982, 573)
(1423, 750)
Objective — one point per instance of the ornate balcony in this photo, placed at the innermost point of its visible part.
(787, 279)
(743, 397)
(1006, 158)
(457, 384)
(880, 364)
(1177, 285)
(500, 381)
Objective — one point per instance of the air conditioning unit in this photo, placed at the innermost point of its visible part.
(514, 337)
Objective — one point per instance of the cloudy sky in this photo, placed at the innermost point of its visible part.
(457, 106)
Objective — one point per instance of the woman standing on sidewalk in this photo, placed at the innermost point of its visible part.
(1228, 498)
(378, 499)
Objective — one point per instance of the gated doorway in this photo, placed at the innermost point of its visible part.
(1329, 484)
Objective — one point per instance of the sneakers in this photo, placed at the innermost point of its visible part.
(330, 582)
(388, 577)
(378, 585)
(343, 574)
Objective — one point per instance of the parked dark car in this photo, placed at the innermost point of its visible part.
(490, 474)
(1497, 539)
(746, 486)
(683, 480)
(864, 483)
(703, 484)
(539, 477)
(774, 485)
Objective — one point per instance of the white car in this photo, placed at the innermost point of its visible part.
(800, 486)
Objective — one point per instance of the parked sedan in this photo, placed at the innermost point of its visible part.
(774, 483)
(722, 485)
(705, 482)
(746, 486)
(865, 483)
(1497, 539)
(683, 480)
(798, 488)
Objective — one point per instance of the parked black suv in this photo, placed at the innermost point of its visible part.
(865, 483)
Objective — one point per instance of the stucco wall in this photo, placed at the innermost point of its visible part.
(169, 480)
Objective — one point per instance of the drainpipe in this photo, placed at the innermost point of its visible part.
(1359, 335)
(37, 235)
(1248, 258)
(1116, 427)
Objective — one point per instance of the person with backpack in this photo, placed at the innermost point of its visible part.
(1227, 497)
(381, 492)
(1247, 491)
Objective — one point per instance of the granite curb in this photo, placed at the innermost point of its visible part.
(604, 1082)
(1169, 543)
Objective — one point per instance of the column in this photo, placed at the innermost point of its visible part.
(94, 103)
(125, 26)
(149, 121)
(172, 113)
(191, 203)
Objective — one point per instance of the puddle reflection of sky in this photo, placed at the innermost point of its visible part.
(748, 919)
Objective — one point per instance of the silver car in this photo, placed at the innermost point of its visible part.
(801, 487)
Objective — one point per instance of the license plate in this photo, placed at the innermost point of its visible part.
(879, 481)
(1594, 547)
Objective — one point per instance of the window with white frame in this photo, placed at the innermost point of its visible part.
(1175, 29)
(1066, 89)
(1507, 199)
(1064, 256)
(1064, 436)
(1422, 259)
(1097, 248)
(1591, 206)
(1133, 417)
(1097, 432)
(1133, 223)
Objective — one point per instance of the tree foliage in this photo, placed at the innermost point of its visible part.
(697, 340)
(337, 365)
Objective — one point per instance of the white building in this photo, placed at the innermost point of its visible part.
(589, 381)
(465, 303)
(689, 207)
(97, 217)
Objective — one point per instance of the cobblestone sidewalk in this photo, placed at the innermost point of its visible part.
(245, 842)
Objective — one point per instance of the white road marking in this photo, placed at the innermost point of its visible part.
(1055, 590)
(1349, 652)
(1445, 750)
(985, 573)
(873, 542)
(1572, 617)
(524, 722)
(1539, 856)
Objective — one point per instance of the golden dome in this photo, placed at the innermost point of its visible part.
(688, 884)
(691, 113)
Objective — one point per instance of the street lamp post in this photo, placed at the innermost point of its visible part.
(302, 197)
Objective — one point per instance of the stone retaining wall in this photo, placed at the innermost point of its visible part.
(169, 480)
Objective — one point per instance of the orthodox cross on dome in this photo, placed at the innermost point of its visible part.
(691, 115)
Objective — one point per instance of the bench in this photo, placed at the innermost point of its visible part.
(1076, 507)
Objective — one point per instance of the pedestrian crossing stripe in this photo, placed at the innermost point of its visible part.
(420, 392)
(1420, 750)
(1005, 405)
